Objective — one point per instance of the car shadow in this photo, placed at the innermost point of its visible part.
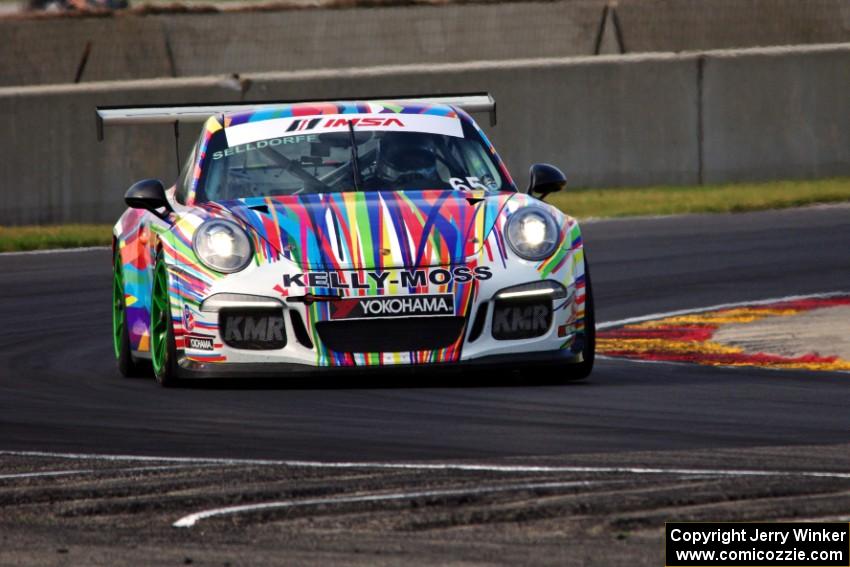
(394, 379)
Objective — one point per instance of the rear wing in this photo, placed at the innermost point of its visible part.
(124, 115)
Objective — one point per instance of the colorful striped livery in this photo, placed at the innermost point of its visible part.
(352, 278)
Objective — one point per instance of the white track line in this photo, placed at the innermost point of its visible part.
(467, 467)
(46, 473)
(192, 519)
(643, 318)
(54, 251)
(100, 471)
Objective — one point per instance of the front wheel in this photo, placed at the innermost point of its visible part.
(163, 349)
(128, 366)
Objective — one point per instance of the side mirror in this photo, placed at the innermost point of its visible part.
(545, 179)
(148, 194)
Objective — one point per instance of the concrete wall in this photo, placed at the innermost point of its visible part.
(50, 50)
(46, 51)
(336, 39)
(625, 120)
(54, 50)
(776, 114)
(688, 25)
(54, 170)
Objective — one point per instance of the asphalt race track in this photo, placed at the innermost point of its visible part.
(61, 393)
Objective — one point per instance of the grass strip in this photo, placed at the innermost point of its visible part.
(580, 203)
(18, 238)
(672, 200)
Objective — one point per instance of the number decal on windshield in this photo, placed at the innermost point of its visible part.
(467, 184)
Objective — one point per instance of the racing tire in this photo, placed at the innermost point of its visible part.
(128, 365)
(163, 348)
(583, 369)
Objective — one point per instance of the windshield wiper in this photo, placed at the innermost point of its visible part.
(355, 160)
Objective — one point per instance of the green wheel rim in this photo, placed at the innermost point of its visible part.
(118, 315)
(159, 318)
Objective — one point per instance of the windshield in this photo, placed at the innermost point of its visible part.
(317, 155)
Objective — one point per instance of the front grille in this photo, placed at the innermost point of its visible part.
(525, 318)
(252, 329)
(390, 335)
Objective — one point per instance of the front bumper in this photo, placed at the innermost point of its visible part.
(207, 348)
(534, 361)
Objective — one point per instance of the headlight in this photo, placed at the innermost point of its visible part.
(532, 233)
(222, 246)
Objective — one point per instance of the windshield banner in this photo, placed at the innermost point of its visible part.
(275, 128)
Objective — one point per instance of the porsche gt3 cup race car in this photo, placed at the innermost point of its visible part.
(331, 235)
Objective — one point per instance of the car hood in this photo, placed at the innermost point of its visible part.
(368, 230)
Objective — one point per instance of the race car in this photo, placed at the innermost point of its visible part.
(339, 236)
